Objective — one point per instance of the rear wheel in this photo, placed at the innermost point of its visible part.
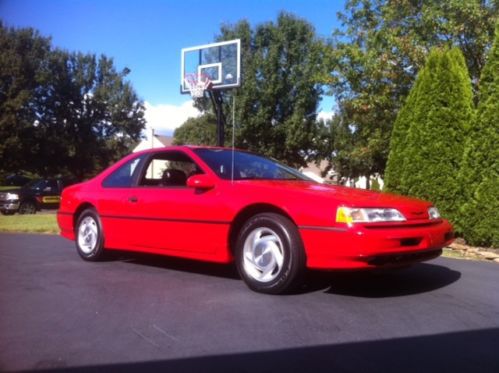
(89, 235)
(269, 254)
(27, 207)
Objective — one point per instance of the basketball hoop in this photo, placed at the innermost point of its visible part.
(197, 84)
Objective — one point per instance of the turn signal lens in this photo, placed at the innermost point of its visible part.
(350, 215)
(343, 215)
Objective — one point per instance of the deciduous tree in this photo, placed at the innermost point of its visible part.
(277, 103)
(377, 52)
(197, 131)
(62, 112)
(23, 56)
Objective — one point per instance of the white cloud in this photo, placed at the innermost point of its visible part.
(325, 115)
(165, 118)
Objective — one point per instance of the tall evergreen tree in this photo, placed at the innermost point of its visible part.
(398, 142)
(442, 113)
(480, 171)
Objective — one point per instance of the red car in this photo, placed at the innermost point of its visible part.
(220, 205)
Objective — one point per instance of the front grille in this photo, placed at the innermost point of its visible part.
(406, 225)
(382, 260)
(421, 214)
(411, 241)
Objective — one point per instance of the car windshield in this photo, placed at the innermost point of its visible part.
(36, 184)
(247, 166)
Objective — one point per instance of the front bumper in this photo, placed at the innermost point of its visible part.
(374, 246)
(9, 206)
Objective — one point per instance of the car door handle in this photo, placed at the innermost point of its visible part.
(133, 199)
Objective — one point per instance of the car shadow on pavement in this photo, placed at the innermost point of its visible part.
(420, 278)
(468, 351)
(176, 264)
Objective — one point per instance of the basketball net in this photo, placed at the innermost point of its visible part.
(197, 84)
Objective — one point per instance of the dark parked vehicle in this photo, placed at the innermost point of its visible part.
(34, 196)
(18, 180)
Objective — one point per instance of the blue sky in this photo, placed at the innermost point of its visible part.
(147, 36)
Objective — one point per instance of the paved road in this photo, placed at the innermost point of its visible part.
(139, 312)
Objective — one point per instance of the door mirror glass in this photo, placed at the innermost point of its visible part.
(202, 181)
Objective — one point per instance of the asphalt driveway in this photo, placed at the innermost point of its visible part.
(137, 312)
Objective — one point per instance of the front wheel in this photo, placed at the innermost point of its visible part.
(89, 235)
(269, 254)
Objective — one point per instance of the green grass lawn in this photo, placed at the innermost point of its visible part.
(38, 223)
(2, 187)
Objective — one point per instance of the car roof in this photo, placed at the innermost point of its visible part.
(184, 147)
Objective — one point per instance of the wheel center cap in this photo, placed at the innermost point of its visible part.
(263, 256)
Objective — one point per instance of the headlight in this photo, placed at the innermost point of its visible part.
(433, 213)
(367, 215)
(13, 196)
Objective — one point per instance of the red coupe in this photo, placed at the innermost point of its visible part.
(220, 205)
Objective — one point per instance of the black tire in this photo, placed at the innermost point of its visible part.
(27, 207)
(89, 236)
(8, 212)
(281, 268)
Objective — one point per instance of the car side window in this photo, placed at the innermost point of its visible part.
(123, 176)
(41, 185)
(168, 169)
(51, 186)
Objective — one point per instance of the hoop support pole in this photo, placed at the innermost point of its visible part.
(217, 101)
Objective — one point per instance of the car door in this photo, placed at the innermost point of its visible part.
(172, 217)
(114, 207)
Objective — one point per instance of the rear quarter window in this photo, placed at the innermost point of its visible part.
(123, 177)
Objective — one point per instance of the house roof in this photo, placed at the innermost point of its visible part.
(158, 141)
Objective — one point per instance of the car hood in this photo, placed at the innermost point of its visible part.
(412, 208)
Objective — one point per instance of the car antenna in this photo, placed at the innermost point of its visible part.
(233, 135)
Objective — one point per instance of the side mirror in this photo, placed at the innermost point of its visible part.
(201, 181)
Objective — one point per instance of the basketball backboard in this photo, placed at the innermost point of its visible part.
(218, 62)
